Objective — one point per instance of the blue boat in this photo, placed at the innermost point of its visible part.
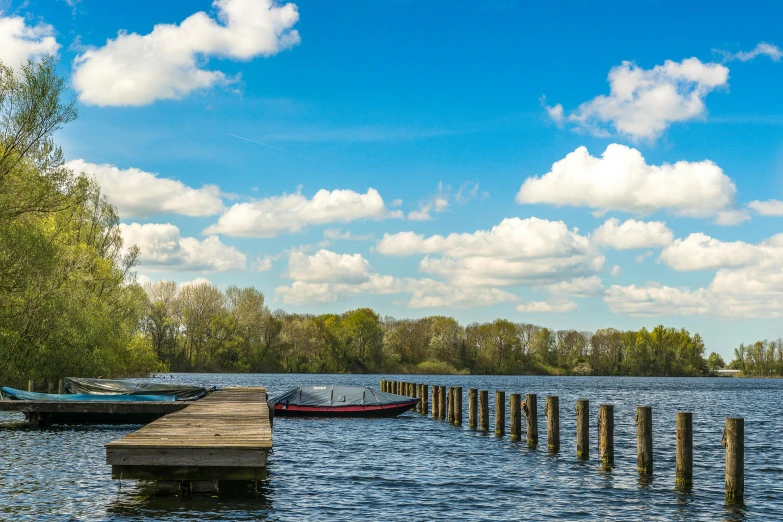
(14, 394)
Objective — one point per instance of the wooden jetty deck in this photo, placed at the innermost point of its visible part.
(224, 436)
(103, 412)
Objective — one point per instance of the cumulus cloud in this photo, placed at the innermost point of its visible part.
(336, 234)
(578, 287)
(517, 251)
(701, 252)
(326, 266)
(547, 306)
(437, 203)
(770, 207)
(642, 103)
(622, 180)
(163, 248)
(616, 271)
(20, 41)
(139, 193)
(292, 213)
(632, 234)
(655, 300)
(762, 49)
(169, 62)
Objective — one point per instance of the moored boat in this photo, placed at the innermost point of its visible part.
(117, 387)
(330, 400)
(21, 395)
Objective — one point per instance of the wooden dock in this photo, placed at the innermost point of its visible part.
(225, 436)
(103, 412)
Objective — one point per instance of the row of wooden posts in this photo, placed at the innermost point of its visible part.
(51, 386)
(447, 405)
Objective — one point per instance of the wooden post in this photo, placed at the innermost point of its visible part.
(30, 385)
(61, 387)
(424, 395)
(500, 413)
(50, 387)
(583, 429)
(515, 413)
(552, 411)
(458, 406)
(644, 440)
(484, 410)
(411, 390)
(416, 396)
(450, 408)
(442, 402)
(606, 434)
(531, 416)
(472, 407)
(435, 405)
(684, 460)
(734, 441)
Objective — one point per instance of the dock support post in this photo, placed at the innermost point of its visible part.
(500, 413)
(583, 429)
(552, 411)
(30, 385)
(416, 395)
(531, 418)
(606, 434)
(734, 441)
(411, 389)
(458, 406)
(472, 407)
(424, 395)
(644, 441)
(684, 460)
(442, 402)
(61, 387)
(484, 410)
(450, 406)
(515, 414)
(435, 405)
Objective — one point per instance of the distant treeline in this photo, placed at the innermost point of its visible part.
(760, 359)
(199, 328)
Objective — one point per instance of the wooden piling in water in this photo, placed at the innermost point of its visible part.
(684, 460)
(458, 406)
(583, 429)
(531, 418)
(644, 440)
(442, 402)
(435, 405)
(500, 413)
(61, 387)
(450, 405)
(734, 442)
(515, 415)
(552, 411)
(472, 407)
(606, 434)
(424, 395)
(416, 396)
(30, 385)
(411, 390)
(484, 410)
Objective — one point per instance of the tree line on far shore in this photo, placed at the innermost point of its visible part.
(70, 304)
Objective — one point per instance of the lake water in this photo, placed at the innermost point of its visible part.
(416, 468)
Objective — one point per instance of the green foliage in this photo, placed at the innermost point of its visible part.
(760, 359)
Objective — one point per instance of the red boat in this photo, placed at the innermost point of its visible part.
(331, 400)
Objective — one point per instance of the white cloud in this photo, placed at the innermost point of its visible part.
(547, 306)
(336, 234)
(439, 202)
(616, 271)
(163, 248)
(632, 234)
(517, 251)
(701, 252)
(754, 291)
(20, 42)
(731, 217)
(139, 193)
(622, 180)
(169, 62)
(770, 207)
(292, 213)
(263, 264)
(642, 103)
(578, 287)
(428, 293)
(762, 49)
(329, 267)
(655, 300)
(641, 257)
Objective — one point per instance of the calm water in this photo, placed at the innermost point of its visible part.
(416, 468)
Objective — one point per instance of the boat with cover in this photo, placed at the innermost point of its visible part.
(331, 400)
(181, 392)
(13, 394)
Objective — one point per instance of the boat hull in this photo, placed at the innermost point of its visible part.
(388, 410)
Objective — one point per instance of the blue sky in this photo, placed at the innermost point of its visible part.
(215, 134)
